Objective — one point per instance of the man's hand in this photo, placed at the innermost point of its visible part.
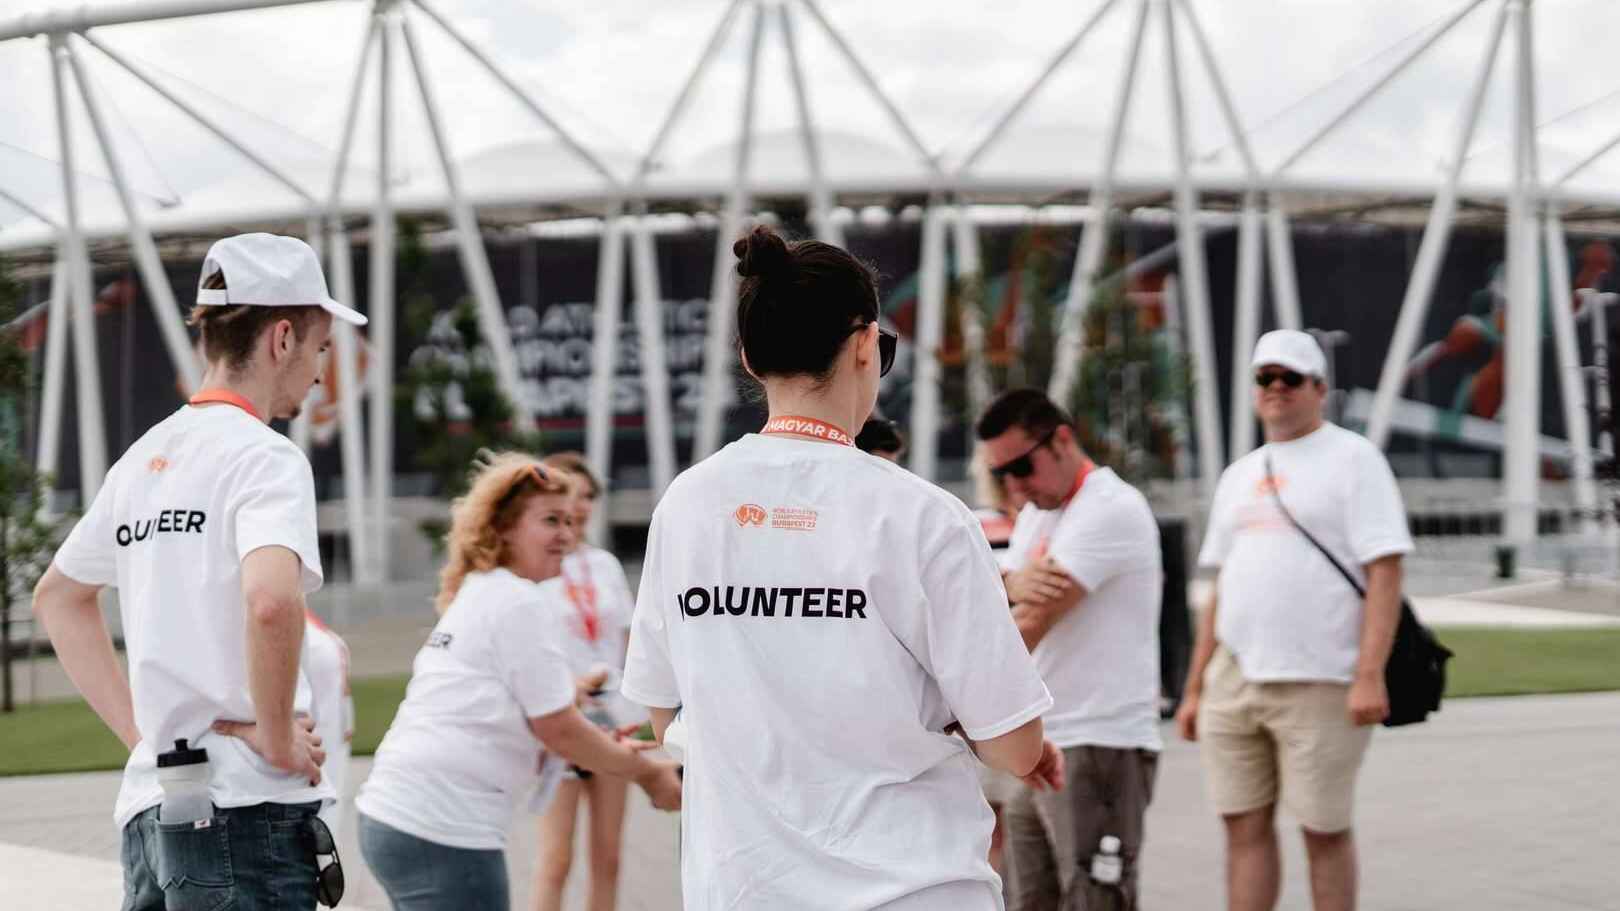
(298, 753)
(1369, 700)
(1048, 772)
(1039, 583)
(662, 784)
(587, 686)
(1187, 716)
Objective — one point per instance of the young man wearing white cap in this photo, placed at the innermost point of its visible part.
(1287, 677)
(206, 526)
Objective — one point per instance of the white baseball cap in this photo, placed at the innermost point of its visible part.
(1291, 348)
(267, 270)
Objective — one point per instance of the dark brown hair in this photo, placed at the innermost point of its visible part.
(574, 463)
(797, 302)
(229, 332)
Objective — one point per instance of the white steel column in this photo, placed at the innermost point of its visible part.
(470, 244)
(719, 388)
(48, 453)
(970, 297)
(1190, 244)
(1179, 416)
(599, 413)
(1245, 326)
(381, 366)
(659, 425)
(1571, 375)
(1284, 278)
(1094, 236)
(351, 423)
(821, 201)
(86, 360)
(1431, 253)
(926, 371)
(1521, 405)
(155, 282)
(1600, 374)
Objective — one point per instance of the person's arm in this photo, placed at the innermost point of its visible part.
(1025, 753)
(568, 734)
(1048, 594)
(661, 720)
(71, 615)
(1369, 698)
(1193, 690)
(274, 597)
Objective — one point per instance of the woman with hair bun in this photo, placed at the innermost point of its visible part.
(488, 690)
(826, 624)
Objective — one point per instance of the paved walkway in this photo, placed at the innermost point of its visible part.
(1503, 804)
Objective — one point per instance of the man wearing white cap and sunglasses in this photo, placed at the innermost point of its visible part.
(1287, 678)
(206, 526)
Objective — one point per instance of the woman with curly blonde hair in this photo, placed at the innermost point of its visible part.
(488, 691)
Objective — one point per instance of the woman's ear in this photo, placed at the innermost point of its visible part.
(742, 357)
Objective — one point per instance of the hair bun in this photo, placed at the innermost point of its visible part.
(761, 252)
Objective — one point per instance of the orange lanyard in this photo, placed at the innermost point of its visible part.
(809, 427)
(1039, 550)
(224, 396)
(583, 596)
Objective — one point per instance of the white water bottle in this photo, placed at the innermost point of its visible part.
(1107, 867)
(183, 773)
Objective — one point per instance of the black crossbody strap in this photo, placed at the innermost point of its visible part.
(1271, 483)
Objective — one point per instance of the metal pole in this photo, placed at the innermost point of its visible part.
(1195, 274)
(719, 346)
(871, 83)
(86, 360)
(1600, 374)
(821, 201)
(206, 123)
(574, 145)
(381, 368)
(352, 428)
(156, 282)
(1284, 278)
(1376, 87)
(970, 295)
(927, 374)
(605, 360)
(1017, 107)
(334, 196)
(47, 456)
(660, 428)
(1094, 237)
(1245, 325)
(1521, 458)
(1571, 375)
(21, 204)
(1431, 251)
(1228, 111)
(470, 244)
(1179, 417)
(673, 116)
(85, 16)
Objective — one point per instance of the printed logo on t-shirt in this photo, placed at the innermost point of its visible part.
(792, 518)
(759, 601)
(1269, 484)
(184, 521)
(440, 640)
(749, 514)
(157, 464)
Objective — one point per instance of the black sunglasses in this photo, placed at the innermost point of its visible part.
(1023, 466)
(1291, 378)
(328, 882)
(887, 342)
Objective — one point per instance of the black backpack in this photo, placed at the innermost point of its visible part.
(1415, 675)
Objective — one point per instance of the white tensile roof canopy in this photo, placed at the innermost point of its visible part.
(246, 113)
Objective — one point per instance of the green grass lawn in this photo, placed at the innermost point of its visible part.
(67, 736)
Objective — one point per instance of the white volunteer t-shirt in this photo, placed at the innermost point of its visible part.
(821, 615)
(170, 527)
(325, 662)
(593, 574)
(1283, 611)
(1101, 660)
(460, 756)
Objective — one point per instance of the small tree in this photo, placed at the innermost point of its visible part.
(449, 396)
(27, 540)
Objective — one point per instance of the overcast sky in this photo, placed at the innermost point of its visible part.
(609, 70)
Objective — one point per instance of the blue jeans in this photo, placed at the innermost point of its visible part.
(258, 858)
(422, 875)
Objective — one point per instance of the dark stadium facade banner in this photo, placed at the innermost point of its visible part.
(1351, 279)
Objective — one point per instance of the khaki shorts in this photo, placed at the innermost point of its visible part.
(1288, 743)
